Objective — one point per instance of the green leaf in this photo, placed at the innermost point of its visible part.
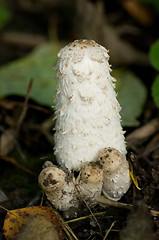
(151, 3)
(5, 14)
(131, 95)
(15, 77)
(155, 90)
(154, 55)
(145, 1)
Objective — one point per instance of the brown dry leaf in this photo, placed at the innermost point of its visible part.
(38, 227)
(139, 11)
(16, 219)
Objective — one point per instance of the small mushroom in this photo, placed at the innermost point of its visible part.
(116, 177)
(59, 190)
(89, 182)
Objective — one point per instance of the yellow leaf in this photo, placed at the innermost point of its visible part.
(133, 177)
(16, 219)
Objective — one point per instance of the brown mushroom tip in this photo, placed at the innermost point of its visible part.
(111, 159)
(51, 177)
(116, 177)
(92, 173)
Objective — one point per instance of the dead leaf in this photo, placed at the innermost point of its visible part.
(6, 141)
(139, 11)
(14, 162)
(38, 227)
(3, 196)
(16, 219)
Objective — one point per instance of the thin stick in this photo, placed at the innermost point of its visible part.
(7, 104)
(142, 133)
(88, 216)
(105, 201)
(93, 216)
(67, 228)
(13, 161)
(108, 231)
(5, 209)
(24, 110)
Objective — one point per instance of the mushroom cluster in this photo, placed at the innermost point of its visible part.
(89, 137)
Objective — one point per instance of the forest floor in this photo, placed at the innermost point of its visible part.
(26, 135)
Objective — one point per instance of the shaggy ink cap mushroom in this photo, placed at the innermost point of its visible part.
(89, 137)
(87, 112)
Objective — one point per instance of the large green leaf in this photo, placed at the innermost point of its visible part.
(154, 58)
(5, 14)
(131, 96)
(151, 3)
(155, 90)
(15, 77)
(154, 55)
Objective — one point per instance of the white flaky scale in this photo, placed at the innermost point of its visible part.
(88, 134)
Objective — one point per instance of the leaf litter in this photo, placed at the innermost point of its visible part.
(32, 222)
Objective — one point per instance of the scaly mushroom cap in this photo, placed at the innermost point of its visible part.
(87, 112)
(58, 190)
(116, 178)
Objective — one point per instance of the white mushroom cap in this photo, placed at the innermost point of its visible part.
(89, 181)
(59, 191)
(87, 112)
(116, 177)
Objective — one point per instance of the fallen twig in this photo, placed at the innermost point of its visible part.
(141, 134)
(88, 216)
(108, 231)
(105, 201)
(14, 162)
(24, 110)
(67, 228)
